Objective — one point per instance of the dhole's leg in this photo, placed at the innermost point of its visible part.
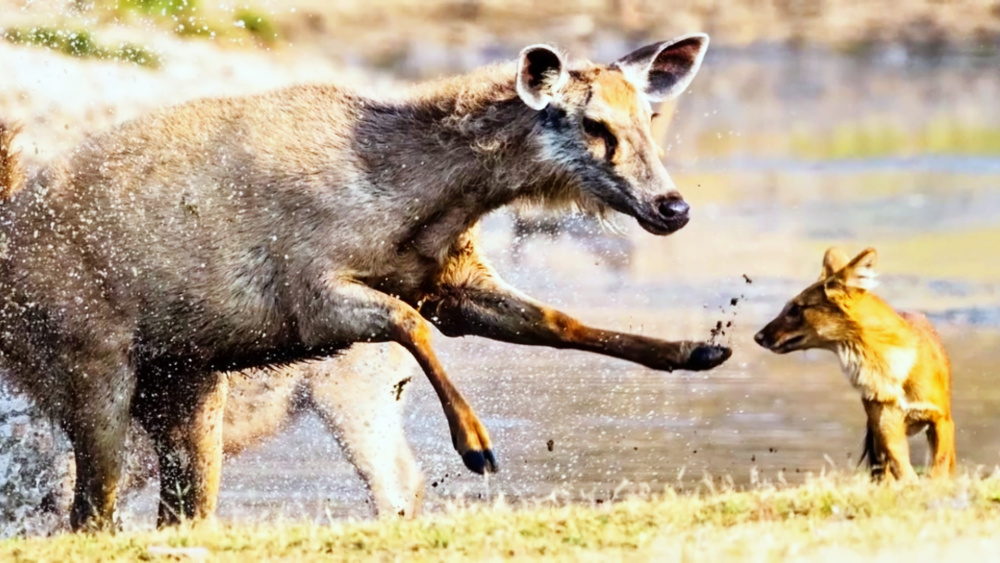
(361, 397)
(484, 306)
(888, 423)
(874, 455)
(184, 420)
(258, 405)
(941, 436)
(97, 423)
(349, 313)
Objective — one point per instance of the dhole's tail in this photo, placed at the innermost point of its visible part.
(11, 168)
(868, 455)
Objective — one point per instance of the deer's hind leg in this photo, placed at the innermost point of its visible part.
(183, 417)
(96, 419)
(941, 436)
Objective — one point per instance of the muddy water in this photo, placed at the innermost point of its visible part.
(781, 166)
(616, 427)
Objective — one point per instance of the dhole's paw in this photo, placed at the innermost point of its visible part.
(481, 462)
(706, 356)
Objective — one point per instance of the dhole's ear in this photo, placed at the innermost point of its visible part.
(833, 261)
(860, 272)
(663, 70)
(541, 73)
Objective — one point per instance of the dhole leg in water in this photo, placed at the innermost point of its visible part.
(349, 394)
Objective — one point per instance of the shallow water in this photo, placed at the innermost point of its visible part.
(616, 426)
(765, 151)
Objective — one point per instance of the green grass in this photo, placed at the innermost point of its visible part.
(258, 25)
(80, 43)
(164, 8)
(189, 18)
(868, 138)
(846, 513)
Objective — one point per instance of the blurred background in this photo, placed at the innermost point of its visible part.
(812, 123)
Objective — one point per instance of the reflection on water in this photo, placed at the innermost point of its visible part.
(766, 207)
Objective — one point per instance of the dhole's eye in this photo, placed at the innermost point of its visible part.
(794, 311)
(597, 130)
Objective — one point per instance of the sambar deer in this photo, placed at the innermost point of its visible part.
(228, 234)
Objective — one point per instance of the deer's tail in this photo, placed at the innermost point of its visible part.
(11, 168)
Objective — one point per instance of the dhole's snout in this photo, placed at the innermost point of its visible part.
(764, 339)
(777, 341)
(761, 339)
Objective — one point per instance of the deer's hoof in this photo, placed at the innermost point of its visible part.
(481, 462)
(707, 356)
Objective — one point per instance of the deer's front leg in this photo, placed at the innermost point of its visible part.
(485, 306)
(348, 312)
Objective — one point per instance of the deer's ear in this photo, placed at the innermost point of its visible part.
(663, 70)
(541, 74)
(833, 261)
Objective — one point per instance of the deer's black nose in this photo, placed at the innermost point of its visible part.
(673, 207)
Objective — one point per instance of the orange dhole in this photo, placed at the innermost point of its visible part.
(895, 359)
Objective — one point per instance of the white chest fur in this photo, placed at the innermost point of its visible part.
(878, 377)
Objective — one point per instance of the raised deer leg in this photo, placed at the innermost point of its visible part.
(351, 312)
(479, 303)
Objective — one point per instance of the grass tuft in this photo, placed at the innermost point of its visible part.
(188, 18)
(257, 24)
(766, 523)
(164, 8)
(80, 43)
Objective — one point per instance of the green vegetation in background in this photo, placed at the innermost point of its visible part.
(166, 8)
(847, 511)
(188, 18)
(869, 138)
(80, 43)
(258, 25)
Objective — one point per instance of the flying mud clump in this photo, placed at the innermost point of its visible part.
(724, 326)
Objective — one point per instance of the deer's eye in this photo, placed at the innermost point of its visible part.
(597, 130)
(655, 115)
(794, 310)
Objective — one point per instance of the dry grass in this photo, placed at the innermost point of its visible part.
(828, 518)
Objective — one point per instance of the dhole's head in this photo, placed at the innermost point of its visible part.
(593, 126)
(823, 314)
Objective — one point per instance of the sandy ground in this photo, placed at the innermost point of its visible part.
(60, 99)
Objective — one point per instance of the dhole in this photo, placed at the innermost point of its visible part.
(229, 234)
(894, 359)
